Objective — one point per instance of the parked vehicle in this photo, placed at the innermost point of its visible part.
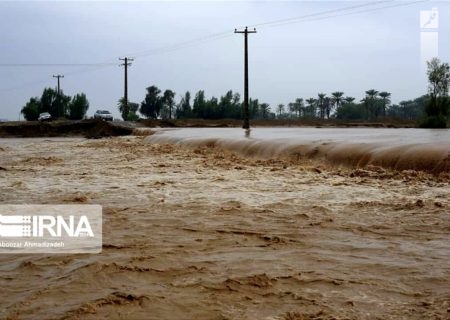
(44, 116)
(104, 115)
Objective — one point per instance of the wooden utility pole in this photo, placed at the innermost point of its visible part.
(59, 106)
(126, 63)
(58, 76)
(246, 124)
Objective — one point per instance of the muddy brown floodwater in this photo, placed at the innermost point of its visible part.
(201, 233)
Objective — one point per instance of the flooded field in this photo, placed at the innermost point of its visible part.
(196, 229)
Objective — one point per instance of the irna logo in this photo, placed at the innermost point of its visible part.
(50, 228)
(44, 226)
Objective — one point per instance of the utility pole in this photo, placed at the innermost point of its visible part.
(58, 76)
(126, 63)
(59, 95)
(246, 111)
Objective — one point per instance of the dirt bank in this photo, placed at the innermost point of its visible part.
(64, 128)
(203, 234)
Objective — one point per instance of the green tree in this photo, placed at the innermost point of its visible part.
(410, 109)
(349, 99)
(328, 105)
(32, 109)
(168, 101)
(311, 108)
(184, 109)
(280, 109)
(292, 108)
(199, 105)
(78, 107)
(265, 110)
(133, 108)
(336, 99)
(236, 107)
(386, 99)
(370, 103)
(123, 108)
(152, 104)
(212, 108)
(253, 106)
(54, 103)
(321, 104)
(351, 111)
(404, 109)
(438, 85)
(132, 114)
(299, 107)
(226, 105)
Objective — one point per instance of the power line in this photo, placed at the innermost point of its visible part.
(55, 64)
(227, 33)
(307, 19)
(183, 45)
(299, 18)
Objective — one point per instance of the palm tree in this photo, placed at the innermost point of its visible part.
(299, 106)
(365, 102)
(371, 96)
(328, 105)
(321, 104)
(280, 109)
(404, 107)
(349, 99)
(337, 99)
(385, 96)
(311, 107)
(265, 109)
(291, 106)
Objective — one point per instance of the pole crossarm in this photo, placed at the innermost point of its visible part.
(58, 77)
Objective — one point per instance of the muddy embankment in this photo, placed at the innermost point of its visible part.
(84, 128)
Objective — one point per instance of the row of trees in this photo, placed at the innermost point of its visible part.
(57, 104)
(162, 105)
(375, 105)
(432, 108)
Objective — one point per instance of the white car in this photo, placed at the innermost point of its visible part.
(104, 115)
(44, 116)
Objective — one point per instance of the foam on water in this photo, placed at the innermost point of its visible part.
(400, 149)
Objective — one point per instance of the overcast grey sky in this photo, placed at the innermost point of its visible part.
(377, 49)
